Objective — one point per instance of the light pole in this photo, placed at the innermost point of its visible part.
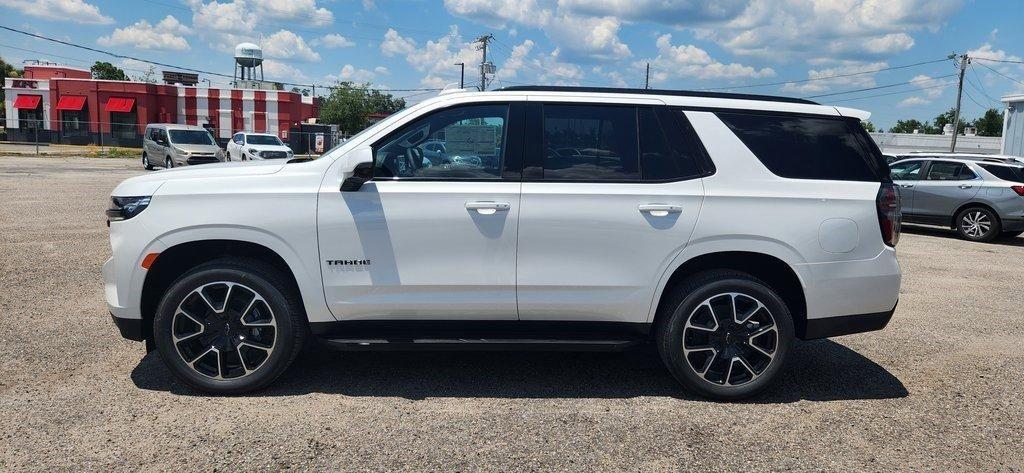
(462, 74)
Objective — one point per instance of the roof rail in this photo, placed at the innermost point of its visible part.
(681, 93)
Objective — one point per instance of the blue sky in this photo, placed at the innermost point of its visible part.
(726, 44)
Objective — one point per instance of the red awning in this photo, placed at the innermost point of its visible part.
(71, 102)
(119, 104)
(27, 101)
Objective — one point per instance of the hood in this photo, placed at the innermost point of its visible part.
(198, 148)
(267, 147)
(148, 183)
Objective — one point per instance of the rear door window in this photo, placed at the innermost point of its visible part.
(590, 143)
(949, 171)
(807, 147)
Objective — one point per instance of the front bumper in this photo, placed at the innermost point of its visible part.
(846, 325)
(129, 328)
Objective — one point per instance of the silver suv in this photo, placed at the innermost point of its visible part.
(171, 145)
(981, 200)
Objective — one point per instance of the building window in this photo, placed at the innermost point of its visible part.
(124, 124)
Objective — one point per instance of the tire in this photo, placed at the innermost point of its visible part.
(977, 224)
(145, 162)
(260, 329)
(168, 163)
(718, 364)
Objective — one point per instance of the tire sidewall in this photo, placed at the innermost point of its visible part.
(168, 163)
(993, 232)
(672, 345)
(267, 372)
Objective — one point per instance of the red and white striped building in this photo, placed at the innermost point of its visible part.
(61, 104)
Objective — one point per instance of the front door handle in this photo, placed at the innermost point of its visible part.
(965, 186)
(660, 210)
(488, 208)
(906, 186)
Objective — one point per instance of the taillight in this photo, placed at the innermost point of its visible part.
(1018, 189)
(889, 215)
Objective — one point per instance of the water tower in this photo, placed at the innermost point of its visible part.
(248, 57)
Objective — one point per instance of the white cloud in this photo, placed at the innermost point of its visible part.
(305, 11)
(580, 37)
(846, 29)
(395, 44)
(913, 102)
(689, 61)
(659, 11)
(353, 74)
(525, 66)
(165, 35)
(332, 40)
(381, 70)
(76, 11)
(279, 71)
(287, 45)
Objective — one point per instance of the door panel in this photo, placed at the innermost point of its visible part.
(906, 175)
(588, 251)
(945, 188)
(420, 250)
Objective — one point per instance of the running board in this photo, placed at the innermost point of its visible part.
(490, 344)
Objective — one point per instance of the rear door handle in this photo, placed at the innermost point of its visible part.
(487, 208)
(906, 186)
(660, 210)
(965, 186)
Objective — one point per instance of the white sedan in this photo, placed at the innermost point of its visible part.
(247, 146)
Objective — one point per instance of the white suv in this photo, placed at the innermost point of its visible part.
(720, 227)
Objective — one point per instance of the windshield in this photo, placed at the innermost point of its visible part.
(263, 140)
(191, 137)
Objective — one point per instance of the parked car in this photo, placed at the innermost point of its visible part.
(720, 227)
(248, 146)
(981, 200)
(1003, 158)
(170, 145)
(890, 158)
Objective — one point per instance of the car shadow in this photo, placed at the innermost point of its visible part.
(949, 233)
(820, 370)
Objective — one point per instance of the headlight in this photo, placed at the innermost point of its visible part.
(182, 152)
(253, 151)
(125, 208)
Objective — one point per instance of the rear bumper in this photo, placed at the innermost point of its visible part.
(1013, 224)
(846, 325)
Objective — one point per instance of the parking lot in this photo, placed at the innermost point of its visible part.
(940, 388)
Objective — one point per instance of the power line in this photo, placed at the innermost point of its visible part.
(889, 93)
(986, 66)
(182, 68)
(837, 76)
(880, 87)
(1008, 61)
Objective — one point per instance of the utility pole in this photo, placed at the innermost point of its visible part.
(964, 60)
(647, 77)
(462, 74)
(485, 67)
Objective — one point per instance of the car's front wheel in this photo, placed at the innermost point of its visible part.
(168, 163)
(724, 334)
(978, 224)
(145, 162)
(229, 326)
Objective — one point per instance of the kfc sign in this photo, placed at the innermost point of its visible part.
(24, 84)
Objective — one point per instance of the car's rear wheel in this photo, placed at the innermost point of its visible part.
(978, 224)
(724, 334)
(229, 326)
(145, 162)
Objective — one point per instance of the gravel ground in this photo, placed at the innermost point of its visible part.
(939, 389)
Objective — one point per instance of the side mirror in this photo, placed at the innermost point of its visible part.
(360, 174)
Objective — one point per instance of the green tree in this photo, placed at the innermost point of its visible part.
(868, 126)
(107, 71)
(946, 117)
(6, 70)
(349, 106)
(990, 124)
(908, 126)
(304, 92)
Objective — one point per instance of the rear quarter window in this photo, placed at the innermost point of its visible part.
(1006, 173)
(804, 147)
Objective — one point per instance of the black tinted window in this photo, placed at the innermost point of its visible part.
(805, 147)
(666, 151)
(1006, 173)
(949, 171)
(586, 142)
